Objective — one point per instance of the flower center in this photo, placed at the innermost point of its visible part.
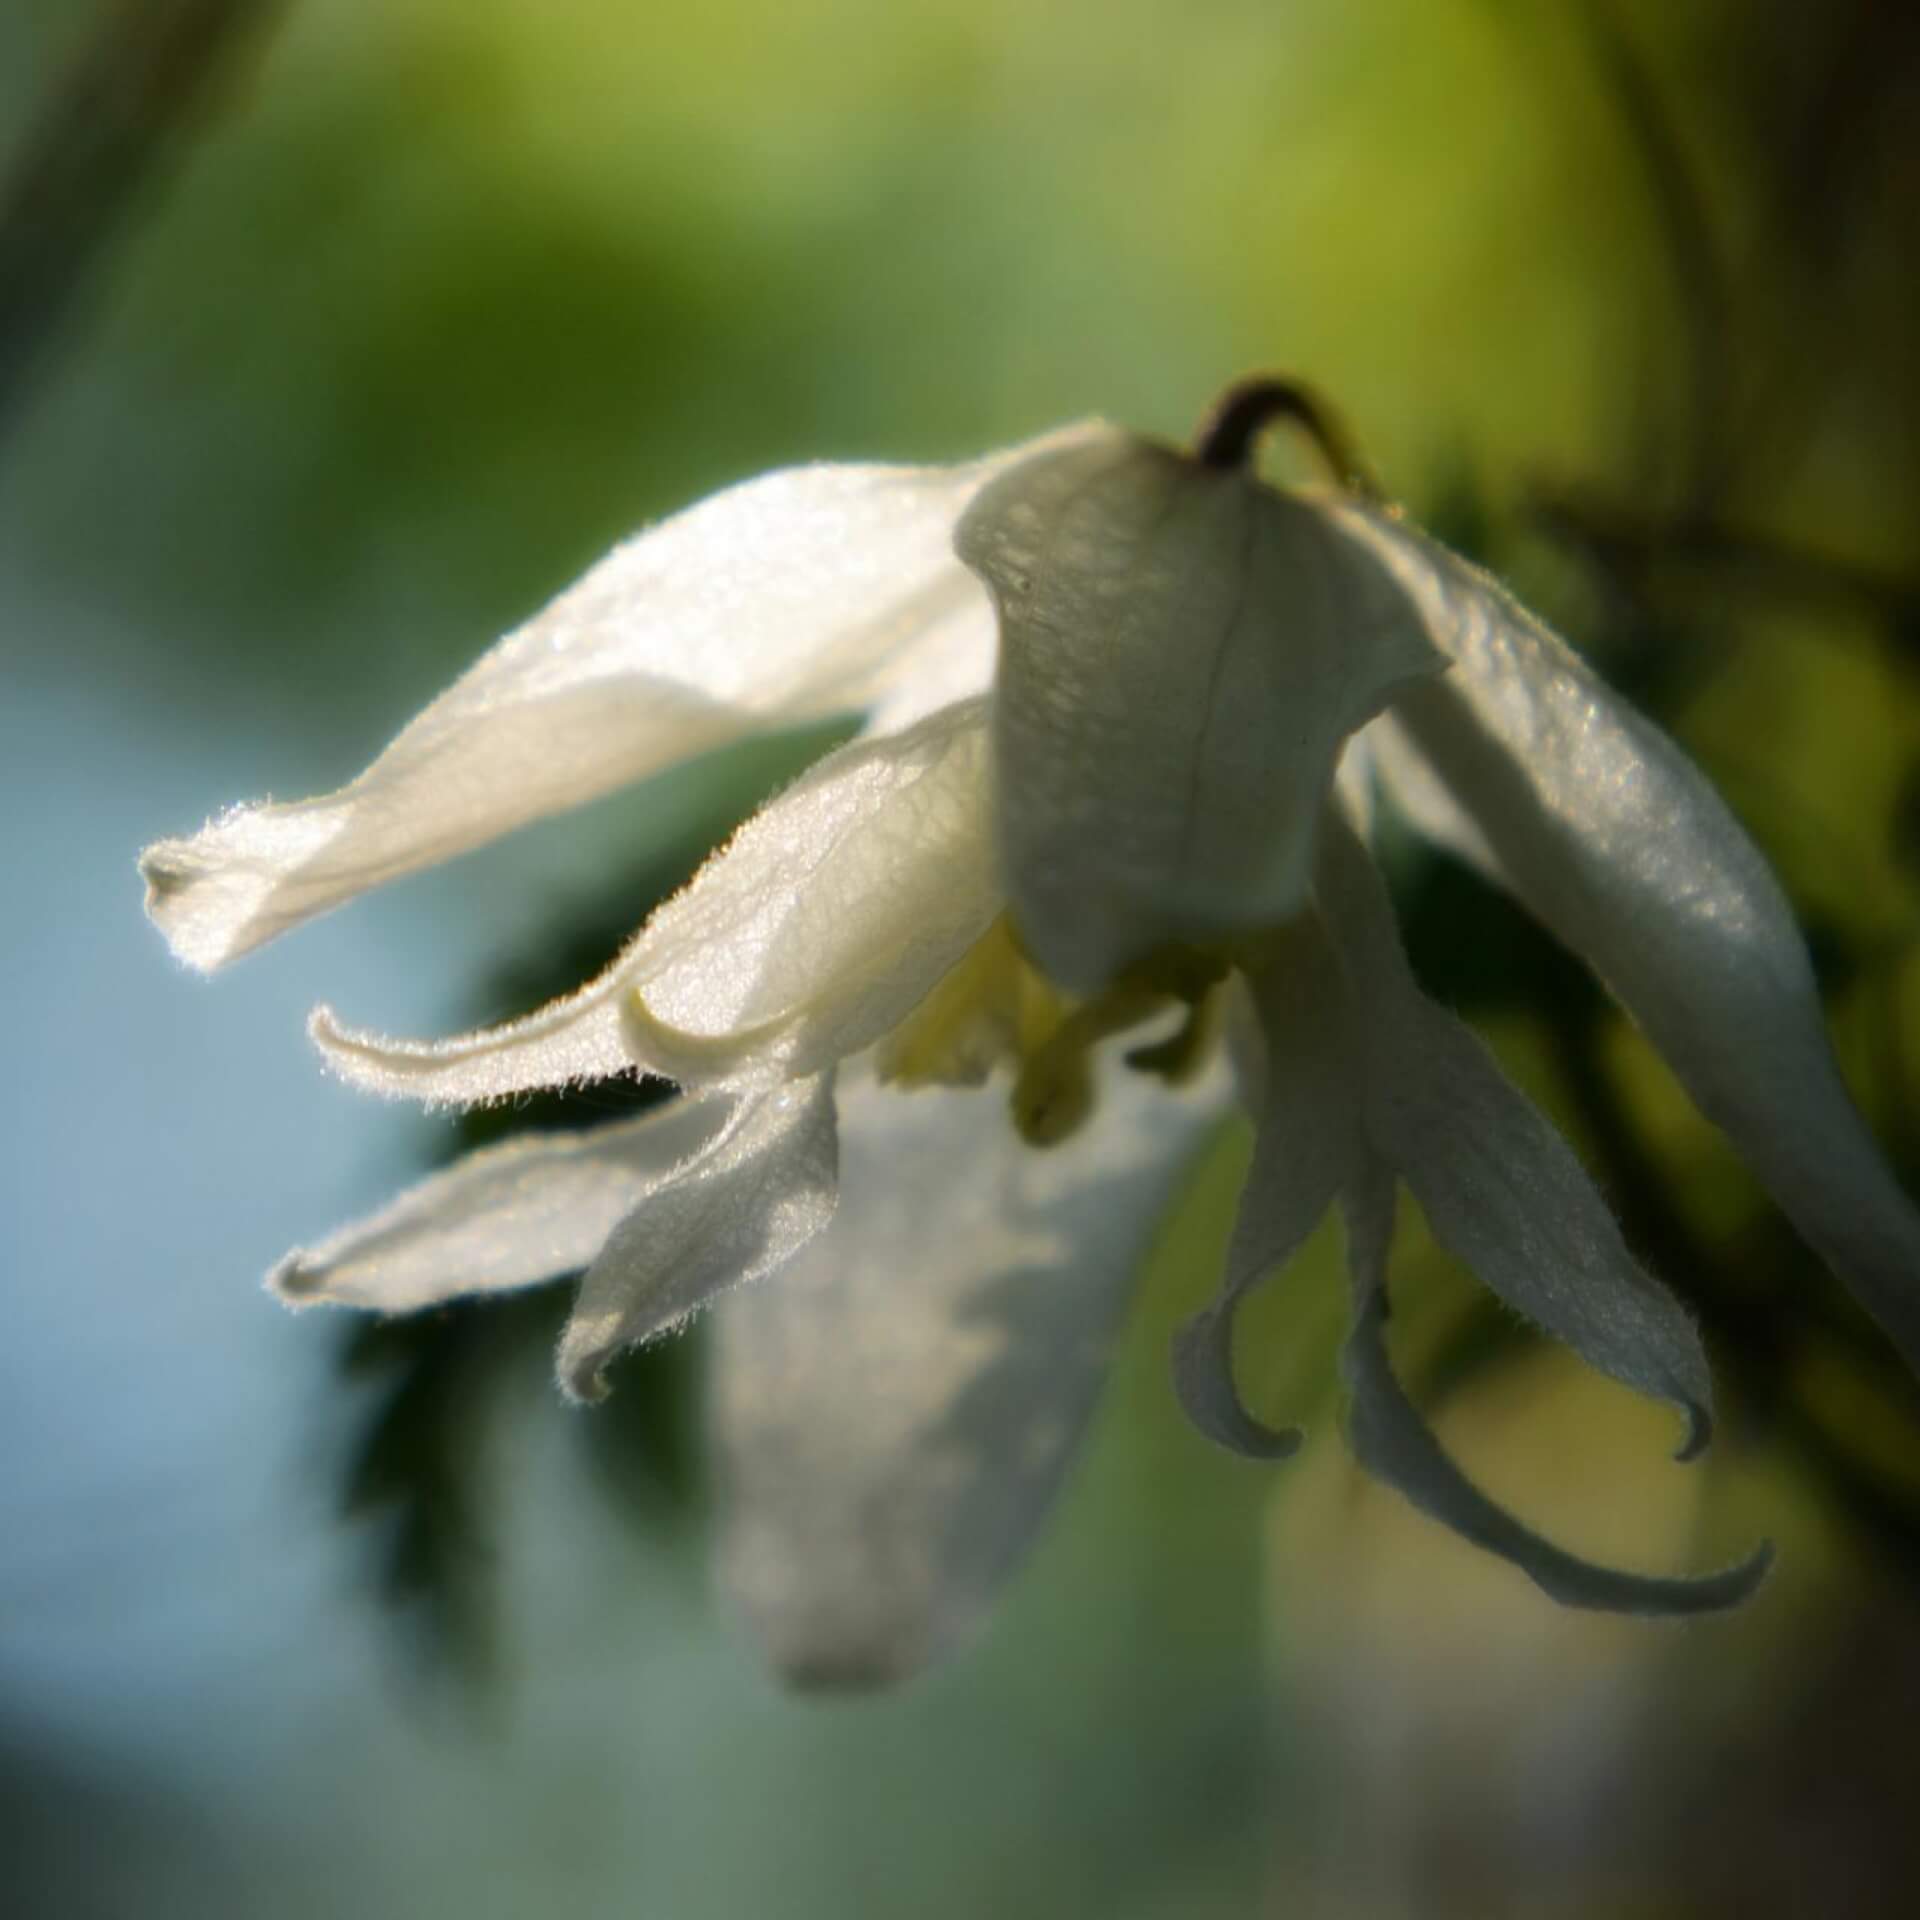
(996, 1005)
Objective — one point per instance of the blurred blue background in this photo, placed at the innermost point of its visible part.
(333, 338)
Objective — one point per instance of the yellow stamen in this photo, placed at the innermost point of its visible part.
(991, 1006)
(994, 1004)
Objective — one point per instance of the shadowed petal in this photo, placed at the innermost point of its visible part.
(1306, 1148)
(1182, 654)
(896, 1413)
(1500, 1188)
(787, 598)
(813, 930)
(735, 1211)
(1618, 843)
(1394, 1444)
(505, 1217)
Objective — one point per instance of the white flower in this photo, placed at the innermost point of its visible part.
(1141, 808)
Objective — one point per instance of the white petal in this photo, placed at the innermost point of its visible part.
(786, 598)
(733, 1212)
(1394, 1444)
(505, 1217)
(567, 1042)
(1500, 1189)
(1618, 843)
(1182, 654)
(818, 926)
(1398, 766)
(830, 916)
(952, 660)
(1305, 1150)
(897, 1411)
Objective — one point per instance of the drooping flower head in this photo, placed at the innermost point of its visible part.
(946, 1014)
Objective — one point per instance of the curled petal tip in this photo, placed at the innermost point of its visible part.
(583, 1382)
(1203, 1380)
(295, 1283)
(172, 872)
(1270, 1443)
(163, 876)
(1699, 1433)
(1740, 1582)
(678, 1054)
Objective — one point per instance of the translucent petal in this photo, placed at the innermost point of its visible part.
(1306, 1148)
(1501, 1190)
(1614, 838)
(830, 915)
(734, 1212)
(897, 1411)
(505, 1217)
(818, 926)
(1395, 1445)
(786, 598)
(952, 660)
(1182, 654)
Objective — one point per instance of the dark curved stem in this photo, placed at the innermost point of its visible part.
(1227, 435)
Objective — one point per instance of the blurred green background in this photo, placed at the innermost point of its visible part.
(333, 338)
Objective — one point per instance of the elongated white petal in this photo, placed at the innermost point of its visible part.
(1394, 1444)
(1182, 654)
(1614, 838)
(829, 916)
(786, 598)
(897, 1411)
(820, 924)
(572, 1040)
(505, 1217)
(1306, 1149)
(1500, 1189)
(734, 1211)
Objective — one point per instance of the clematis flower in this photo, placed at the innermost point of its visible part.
(945, 1014)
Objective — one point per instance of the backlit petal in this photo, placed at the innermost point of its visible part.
(1608, 833)
(787, 598)
(508, 1216)
(1395, 1445)
(812, 931)
(829, 916)
(734, 1212)
(897, 1411)
(1182, 653)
